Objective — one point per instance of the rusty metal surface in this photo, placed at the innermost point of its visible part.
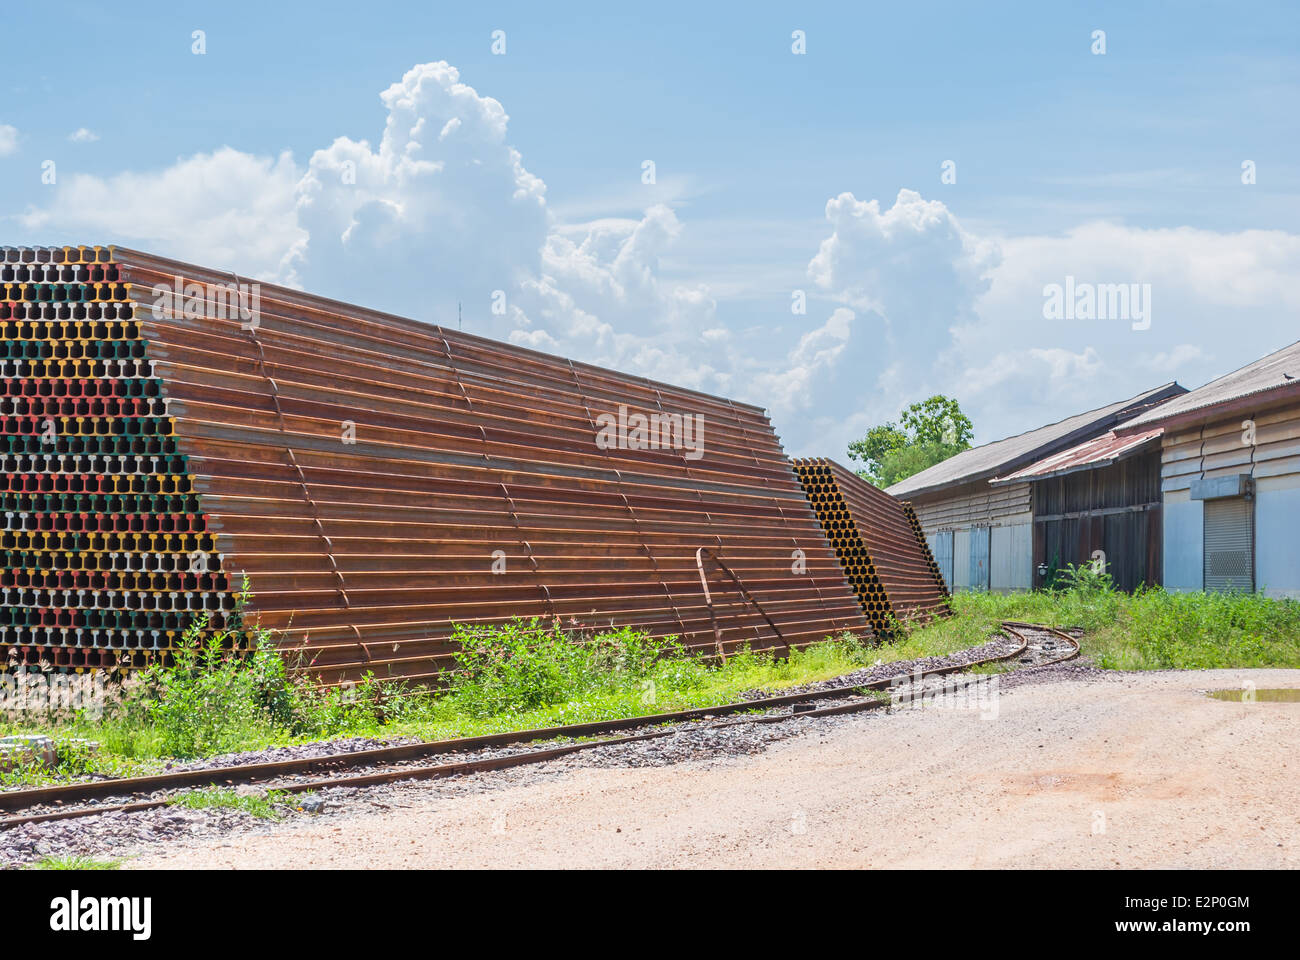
(1100, 451)
(879, 543)
(377, 478)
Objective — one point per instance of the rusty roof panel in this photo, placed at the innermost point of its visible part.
(1100, 451)
(1012, 453)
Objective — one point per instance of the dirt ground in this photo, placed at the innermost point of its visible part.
(1143, 771)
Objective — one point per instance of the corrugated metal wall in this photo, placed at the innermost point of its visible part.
(979, 558)
(983, 533)
(941, 546)
(961, 559)
(1008, 548)
(1277, 533)
(1115, 509)
(1221, 449)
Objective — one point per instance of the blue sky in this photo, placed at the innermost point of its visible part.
(1115, 168)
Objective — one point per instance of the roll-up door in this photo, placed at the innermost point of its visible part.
(1230, 544)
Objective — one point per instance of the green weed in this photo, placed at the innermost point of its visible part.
(73, 863)
(1147, 630)
(230, 691)
(212, 798)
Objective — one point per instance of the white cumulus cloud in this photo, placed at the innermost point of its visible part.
(224, 209)
(439, 209)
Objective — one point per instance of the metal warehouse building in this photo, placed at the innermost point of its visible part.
(992, 513)
(1230, 477)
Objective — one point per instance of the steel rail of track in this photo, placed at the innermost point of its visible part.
(1017, 627)
(262, 772)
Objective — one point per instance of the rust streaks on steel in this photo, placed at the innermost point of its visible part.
(367, 471)
(878, 542)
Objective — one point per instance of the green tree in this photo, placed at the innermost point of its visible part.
(928, 432)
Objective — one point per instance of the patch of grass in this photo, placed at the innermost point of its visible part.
(73, 863)
(225, 798)
(74, 760)
(228, 693)
(233, 691)
(1147, 630)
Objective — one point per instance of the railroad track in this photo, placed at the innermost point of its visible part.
(1036, 646)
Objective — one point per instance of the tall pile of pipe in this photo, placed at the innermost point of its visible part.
(879, 544)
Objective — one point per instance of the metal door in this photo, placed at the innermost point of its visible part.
(941, 547)
(1230, 544)
(979, 558)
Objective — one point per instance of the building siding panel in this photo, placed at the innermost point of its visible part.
(941, 547)
(961, 559)
(1277, 533)
(1219, 449)
(967, 506)
(1011, 558)
(1114, 509)
(979, 558)
(1183, 518)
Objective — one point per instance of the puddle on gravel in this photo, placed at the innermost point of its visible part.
(1270, 694)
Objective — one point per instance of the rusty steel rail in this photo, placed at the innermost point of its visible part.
(879, 543)
(1017, 628)
(379, 479)
(740, 586)
(267, 772)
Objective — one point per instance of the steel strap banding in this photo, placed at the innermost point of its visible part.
(251, 330)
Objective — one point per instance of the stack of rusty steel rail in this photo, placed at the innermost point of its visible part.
(879, 543)
(376, 479)
(106, 558)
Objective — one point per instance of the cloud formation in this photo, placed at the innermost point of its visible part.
(221, 209)
(903, 301)
(442, 198)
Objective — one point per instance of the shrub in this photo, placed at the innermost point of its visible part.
(214, 696)
(1084, 579)
(522, 665)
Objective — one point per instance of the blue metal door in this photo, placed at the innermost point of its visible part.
(979, 558)
(941, 547)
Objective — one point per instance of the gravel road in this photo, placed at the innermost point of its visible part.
(1138, 770)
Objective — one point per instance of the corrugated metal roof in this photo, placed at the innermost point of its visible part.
(1098, 452)
(1001, 456)
(1278, 372)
